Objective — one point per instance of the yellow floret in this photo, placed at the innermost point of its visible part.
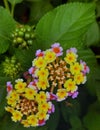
(9, 109)
(25, 123)
(41, 97)
(11, 102)
(42, 73)
(16, 116)
(61, 94)
(80, 78)
(41, 115)
(14, 95)
(32, 120)
(39, 62)
(71, 58)
(70, 85)
(49, 56)
(75, 68)
(30, 93)
(43, 107)
(43, 84)
(20, 87)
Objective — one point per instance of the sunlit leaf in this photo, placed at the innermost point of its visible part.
(65, 24)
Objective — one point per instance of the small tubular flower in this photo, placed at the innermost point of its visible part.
(29, 93)
(80, 78)
(61, 94)
(76, 68)
(70, 85)
(71, 57)
(32, 120)
(42, 73)
(57, 49)
(50, 56)
(39, 62)
(16, 116)
(9, 87)
(43, 84)
(20, 86)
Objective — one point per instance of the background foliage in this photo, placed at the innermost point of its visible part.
(73, 25)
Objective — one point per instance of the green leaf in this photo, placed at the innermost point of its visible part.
(34, 0)
(93, 35)
(38, 9)
(97, 82)
(13, 2)
(92, 119)
(69, 108)
(76, 123)
(98, 91)
(7, 24)
(65, 24)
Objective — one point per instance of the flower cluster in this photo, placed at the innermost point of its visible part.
(60, 76)
(26, 105)
(51, 77)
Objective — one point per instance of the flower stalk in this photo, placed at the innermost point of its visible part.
(6, 5)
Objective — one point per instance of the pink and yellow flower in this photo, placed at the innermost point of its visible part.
(57, 49)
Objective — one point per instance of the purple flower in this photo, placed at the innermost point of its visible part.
(85, 67)
(74, 94)
(52, 110)
(31, 70)
(33, 85)
(71, 50)
(39, 53)
(51, 96)
(9, 86)
(57, 49)
(41, 122)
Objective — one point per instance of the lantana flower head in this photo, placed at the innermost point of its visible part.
(57, 75)
(27, 105)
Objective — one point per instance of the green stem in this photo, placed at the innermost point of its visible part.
(98, 56)
(6, 5)
(12, 9)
